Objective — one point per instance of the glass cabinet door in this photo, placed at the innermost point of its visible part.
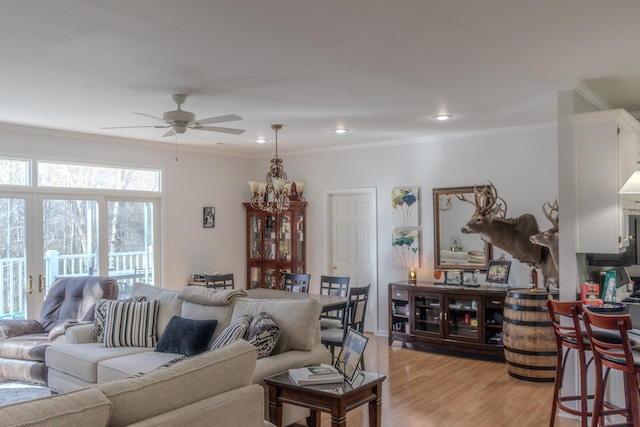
(299, 221)
(284, 239)
(255, 277)
(271, 278)
(255, 236)
(269, 237)
(462, 317)
(427, 316)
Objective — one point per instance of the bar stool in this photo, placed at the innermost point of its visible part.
(570, 337)
(613, 355)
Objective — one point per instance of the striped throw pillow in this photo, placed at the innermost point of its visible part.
(235, 331)
(130, 324)
(100, 317)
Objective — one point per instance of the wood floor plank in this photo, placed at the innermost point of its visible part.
(425, 389)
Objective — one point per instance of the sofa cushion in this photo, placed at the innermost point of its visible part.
(186, 336)
(133, 365)
(130, 324)
(100, 317)
(25, 347)
(298, 319)
(222, 313)
(81, 360)
(87, 407)
(170, 305)
(192, 380)
(235, 331)
(263, 333)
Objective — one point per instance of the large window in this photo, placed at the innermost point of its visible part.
(74, 220)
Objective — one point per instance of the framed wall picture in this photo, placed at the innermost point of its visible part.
(209, 217)
(498, 271)
(405, 204)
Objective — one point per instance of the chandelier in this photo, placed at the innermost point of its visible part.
(274, 196)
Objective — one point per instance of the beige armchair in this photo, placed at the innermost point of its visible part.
(71, 300)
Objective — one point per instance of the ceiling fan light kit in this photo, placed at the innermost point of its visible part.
(178, 120)
(275, 194)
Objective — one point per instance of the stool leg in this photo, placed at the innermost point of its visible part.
(598, 396)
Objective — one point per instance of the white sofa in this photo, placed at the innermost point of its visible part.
(80, 363)
(182, 394)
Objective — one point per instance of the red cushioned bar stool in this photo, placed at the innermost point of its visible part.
(618, 356)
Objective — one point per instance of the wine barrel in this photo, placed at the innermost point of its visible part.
(528, 335)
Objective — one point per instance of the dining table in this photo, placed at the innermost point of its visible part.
(329, 302)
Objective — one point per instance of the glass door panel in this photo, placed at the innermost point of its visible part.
(428, 315)
(300, 236)
(270, 237)
(284, 243)
(69, 238)
(463, 317)
(255, 236)
(13, 258)
(255, 277)
(130, 237)
(270, 278)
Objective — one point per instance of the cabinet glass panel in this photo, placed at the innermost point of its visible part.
(427, 314)
(270, 237)
(255, 236)
(462, 317)
(255, 277)
(284, 244)
(270, 278)
(300, 236)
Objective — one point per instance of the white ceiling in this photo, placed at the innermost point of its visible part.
(380, 68)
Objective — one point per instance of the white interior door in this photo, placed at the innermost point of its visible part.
(352, 242)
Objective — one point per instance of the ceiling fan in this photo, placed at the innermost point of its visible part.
(179, 120)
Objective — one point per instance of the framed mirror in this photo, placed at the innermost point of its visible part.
(453, 249)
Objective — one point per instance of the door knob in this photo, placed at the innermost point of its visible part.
(334, 268)
(30, 285)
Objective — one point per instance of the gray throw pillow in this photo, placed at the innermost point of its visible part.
(263, 334)
(101, 316)
(186, 336)
(130, 324)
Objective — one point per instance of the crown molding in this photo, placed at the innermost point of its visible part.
(582, 90)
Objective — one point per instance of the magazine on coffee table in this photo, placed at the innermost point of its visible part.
(309, 375)
(350, 354)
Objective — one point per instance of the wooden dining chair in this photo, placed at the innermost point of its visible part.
(336, 286)
(222, 281)
(619, 356)
(353, 318)
(296, 282)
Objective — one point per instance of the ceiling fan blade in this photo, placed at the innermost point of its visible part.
(219, 119)
(170, 133)
(149, 115)
(218, 129)
(131, 127)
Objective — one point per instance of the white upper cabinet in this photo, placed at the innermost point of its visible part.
(608, 151)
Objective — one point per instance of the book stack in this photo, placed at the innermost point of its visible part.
(322, 374)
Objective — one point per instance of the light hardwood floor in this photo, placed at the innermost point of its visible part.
(425, 389)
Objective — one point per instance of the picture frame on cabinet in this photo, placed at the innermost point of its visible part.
(453, 277)
(498, 271)
(209, 217)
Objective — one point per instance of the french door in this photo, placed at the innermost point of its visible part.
(43, 237)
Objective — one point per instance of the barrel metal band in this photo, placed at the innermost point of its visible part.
(533, 368)
(526, 323)
(521, 308)
(531, 353)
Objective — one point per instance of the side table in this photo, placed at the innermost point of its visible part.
(336, 399)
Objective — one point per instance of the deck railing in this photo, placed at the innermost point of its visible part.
(125, 267)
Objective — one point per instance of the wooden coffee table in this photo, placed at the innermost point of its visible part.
(336, 399)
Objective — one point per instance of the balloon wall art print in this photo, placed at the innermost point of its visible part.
(405, 202)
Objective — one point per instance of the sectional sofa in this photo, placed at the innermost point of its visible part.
(79, 362)
(183, 394)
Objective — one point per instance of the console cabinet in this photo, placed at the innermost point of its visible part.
(275, 245)
(446, 317)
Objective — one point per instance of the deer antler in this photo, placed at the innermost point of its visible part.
(486, 200)
(549, 214)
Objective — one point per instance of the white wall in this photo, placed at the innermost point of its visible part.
(196, 180)
(522, 164)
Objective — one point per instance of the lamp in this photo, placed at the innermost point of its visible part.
(413, 279)
(273, 196)
(632, 186)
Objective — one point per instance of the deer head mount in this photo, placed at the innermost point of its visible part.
(550, 238)
(509, 234)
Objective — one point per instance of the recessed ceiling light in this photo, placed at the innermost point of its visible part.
(340, 131)
(261, 140)
(442, 117)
